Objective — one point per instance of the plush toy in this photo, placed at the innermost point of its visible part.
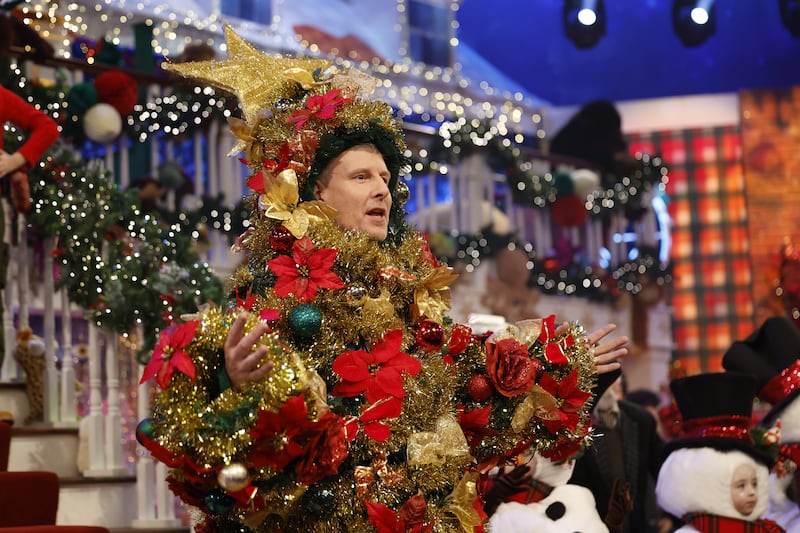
(549, 503)
(29, 354)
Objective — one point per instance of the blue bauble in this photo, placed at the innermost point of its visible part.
(219, 502)
(305, 320)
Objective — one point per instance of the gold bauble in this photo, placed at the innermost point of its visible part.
(233, 477)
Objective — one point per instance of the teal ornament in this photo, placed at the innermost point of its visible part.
(219, 503)
(80, 98)
(563, 183)
(305, 320)
(144, 431)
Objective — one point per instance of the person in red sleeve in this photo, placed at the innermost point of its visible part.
(41, 133)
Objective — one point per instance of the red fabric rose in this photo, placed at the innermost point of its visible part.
(510, 368)
(326, 449)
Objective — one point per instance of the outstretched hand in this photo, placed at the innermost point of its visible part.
(242, 362)
(608, 353)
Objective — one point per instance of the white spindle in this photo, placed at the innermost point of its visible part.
(51, 377)
(124, 164)
(69, 414)
(113, 433)
(95, 432)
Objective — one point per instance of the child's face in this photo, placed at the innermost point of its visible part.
(744, 489)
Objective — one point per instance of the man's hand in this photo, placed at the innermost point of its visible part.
(10, 162)
(242, 362)
(608, 353)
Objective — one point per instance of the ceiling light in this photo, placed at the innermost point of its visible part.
(584, 21)
(693, 21)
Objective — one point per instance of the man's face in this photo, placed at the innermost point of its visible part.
(356, 184)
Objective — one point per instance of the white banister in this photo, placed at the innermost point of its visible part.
(115, 465)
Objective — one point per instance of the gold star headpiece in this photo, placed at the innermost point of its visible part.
(256, 78)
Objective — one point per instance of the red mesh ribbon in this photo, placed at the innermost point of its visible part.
(731, 427)
(782, 385)
(791, 451)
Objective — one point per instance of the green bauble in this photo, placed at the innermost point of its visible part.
(305, 320)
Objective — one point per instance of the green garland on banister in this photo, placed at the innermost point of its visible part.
(567, 273)
(459, 139)
(122, 266)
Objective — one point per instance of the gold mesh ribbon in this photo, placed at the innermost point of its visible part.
(434, 447)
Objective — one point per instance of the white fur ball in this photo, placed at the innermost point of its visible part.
(102, 123)
(585, 182)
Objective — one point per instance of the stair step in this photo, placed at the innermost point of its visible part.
(40, 447)
(14, 399)
(108, 502)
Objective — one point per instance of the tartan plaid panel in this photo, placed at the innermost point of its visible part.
(711, 290)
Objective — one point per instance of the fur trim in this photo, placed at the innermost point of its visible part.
(699, 480)
(790, 421)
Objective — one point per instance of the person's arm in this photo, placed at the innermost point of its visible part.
(40, 129)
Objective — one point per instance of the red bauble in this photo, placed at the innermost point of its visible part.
(430, 335)
(568, 211)
(281, 239)
(118, 90)
(479, 388)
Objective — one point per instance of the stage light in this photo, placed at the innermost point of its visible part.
(693, 21)
(790, 15)
(584, 21)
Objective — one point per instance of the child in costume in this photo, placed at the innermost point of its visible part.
(771, 354)
(714, 477)
(333, 393)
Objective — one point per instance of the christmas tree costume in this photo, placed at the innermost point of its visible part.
(380, 413)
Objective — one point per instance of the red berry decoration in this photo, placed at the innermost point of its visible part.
(479, 388)
(281, 239)
(430, 335)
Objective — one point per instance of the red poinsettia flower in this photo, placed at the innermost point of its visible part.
(307, 270)
(570, 398)
(319, 106)
(168, 355)
(554, 351)
(427, 254)
(378, 372)
(373, 416)
(475, 424)
(276, 435)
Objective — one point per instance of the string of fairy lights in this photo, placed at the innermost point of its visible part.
(101, 278)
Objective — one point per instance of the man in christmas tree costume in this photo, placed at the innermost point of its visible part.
(334, 394)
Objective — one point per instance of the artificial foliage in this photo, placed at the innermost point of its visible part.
(457, 140)
(123, 267)
(380, 413)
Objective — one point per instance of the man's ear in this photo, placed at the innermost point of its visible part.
(317, 190)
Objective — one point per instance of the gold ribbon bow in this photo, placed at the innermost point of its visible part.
(461, 501)
(434, 447)
(432, 296)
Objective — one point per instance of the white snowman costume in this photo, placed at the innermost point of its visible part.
(567, 508)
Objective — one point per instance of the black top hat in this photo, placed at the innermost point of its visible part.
(771, 354)
(716, 410)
